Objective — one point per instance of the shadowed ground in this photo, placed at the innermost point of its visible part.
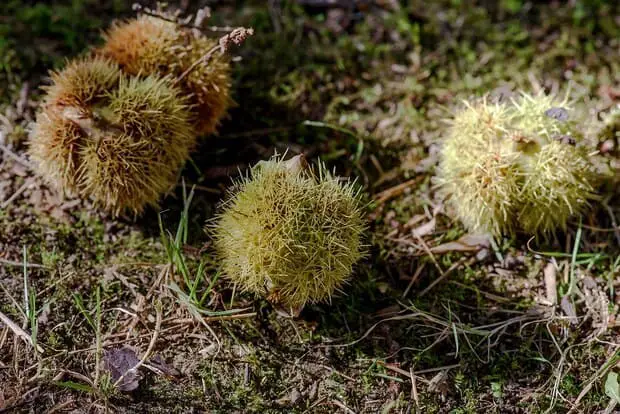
(425, 325)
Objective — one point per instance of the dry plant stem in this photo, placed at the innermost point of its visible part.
(149, 349)
(372, 328)
(61, 407)
(15, 303)
(414, 388)
(446, 274)
(237, 36)
(614, 223)
(203, 60)
(414, 278)
(341, 405)
(598, 375)
(395, 191)
(430, 254)
(151, 13)
(218, 318)
(16, 194)
(19, 264)
(19, 331)
(16, 157)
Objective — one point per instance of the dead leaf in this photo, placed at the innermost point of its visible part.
(467, 243)
(387, 312)
(424, 229)
(120, 363)
(158, 362)
(414, 220)
(44, 315)
(569, 309)
(439, 383)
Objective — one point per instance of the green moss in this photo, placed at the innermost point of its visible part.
(36, 36)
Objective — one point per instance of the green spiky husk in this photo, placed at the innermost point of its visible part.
(82, 82)
(291, 235)
(56, 139)
(122, 145)
(505, 168)
(557, 185)
(148, 45)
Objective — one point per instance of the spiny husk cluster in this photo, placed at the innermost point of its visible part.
(151, 45)
(120, 140)
(520, 165)
(290, 233)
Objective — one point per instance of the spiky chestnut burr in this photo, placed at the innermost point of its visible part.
(517, 165)
(290, 233)
(150, 45)
(56, 138)
(120, 140)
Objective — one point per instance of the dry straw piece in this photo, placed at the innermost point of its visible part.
(290, 233)
(521, 165)
(120, 140)
(151, 45)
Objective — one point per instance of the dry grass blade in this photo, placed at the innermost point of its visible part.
(447, 273)
(19, 332)
(20, 264)
(397, 190)
(16, 194)
(149, 349)
(16, 157)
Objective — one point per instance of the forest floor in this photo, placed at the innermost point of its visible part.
(434, 320)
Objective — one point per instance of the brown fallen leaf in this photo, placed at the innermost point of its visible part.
(569, 309)
(168, 370)
(387, 312)
(467, 243)
(424, 229)
(120, 362)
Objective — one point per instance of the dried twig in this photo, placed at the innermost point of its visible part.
(414, 278)
(16, 194)
(341, 405)
(614, 223)
(16, 157)
(149, 349)
(21, 264)
(397, 190)
(201, 16)
(414, 388)
(446, 274)
(237, 36)
(23, 99)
